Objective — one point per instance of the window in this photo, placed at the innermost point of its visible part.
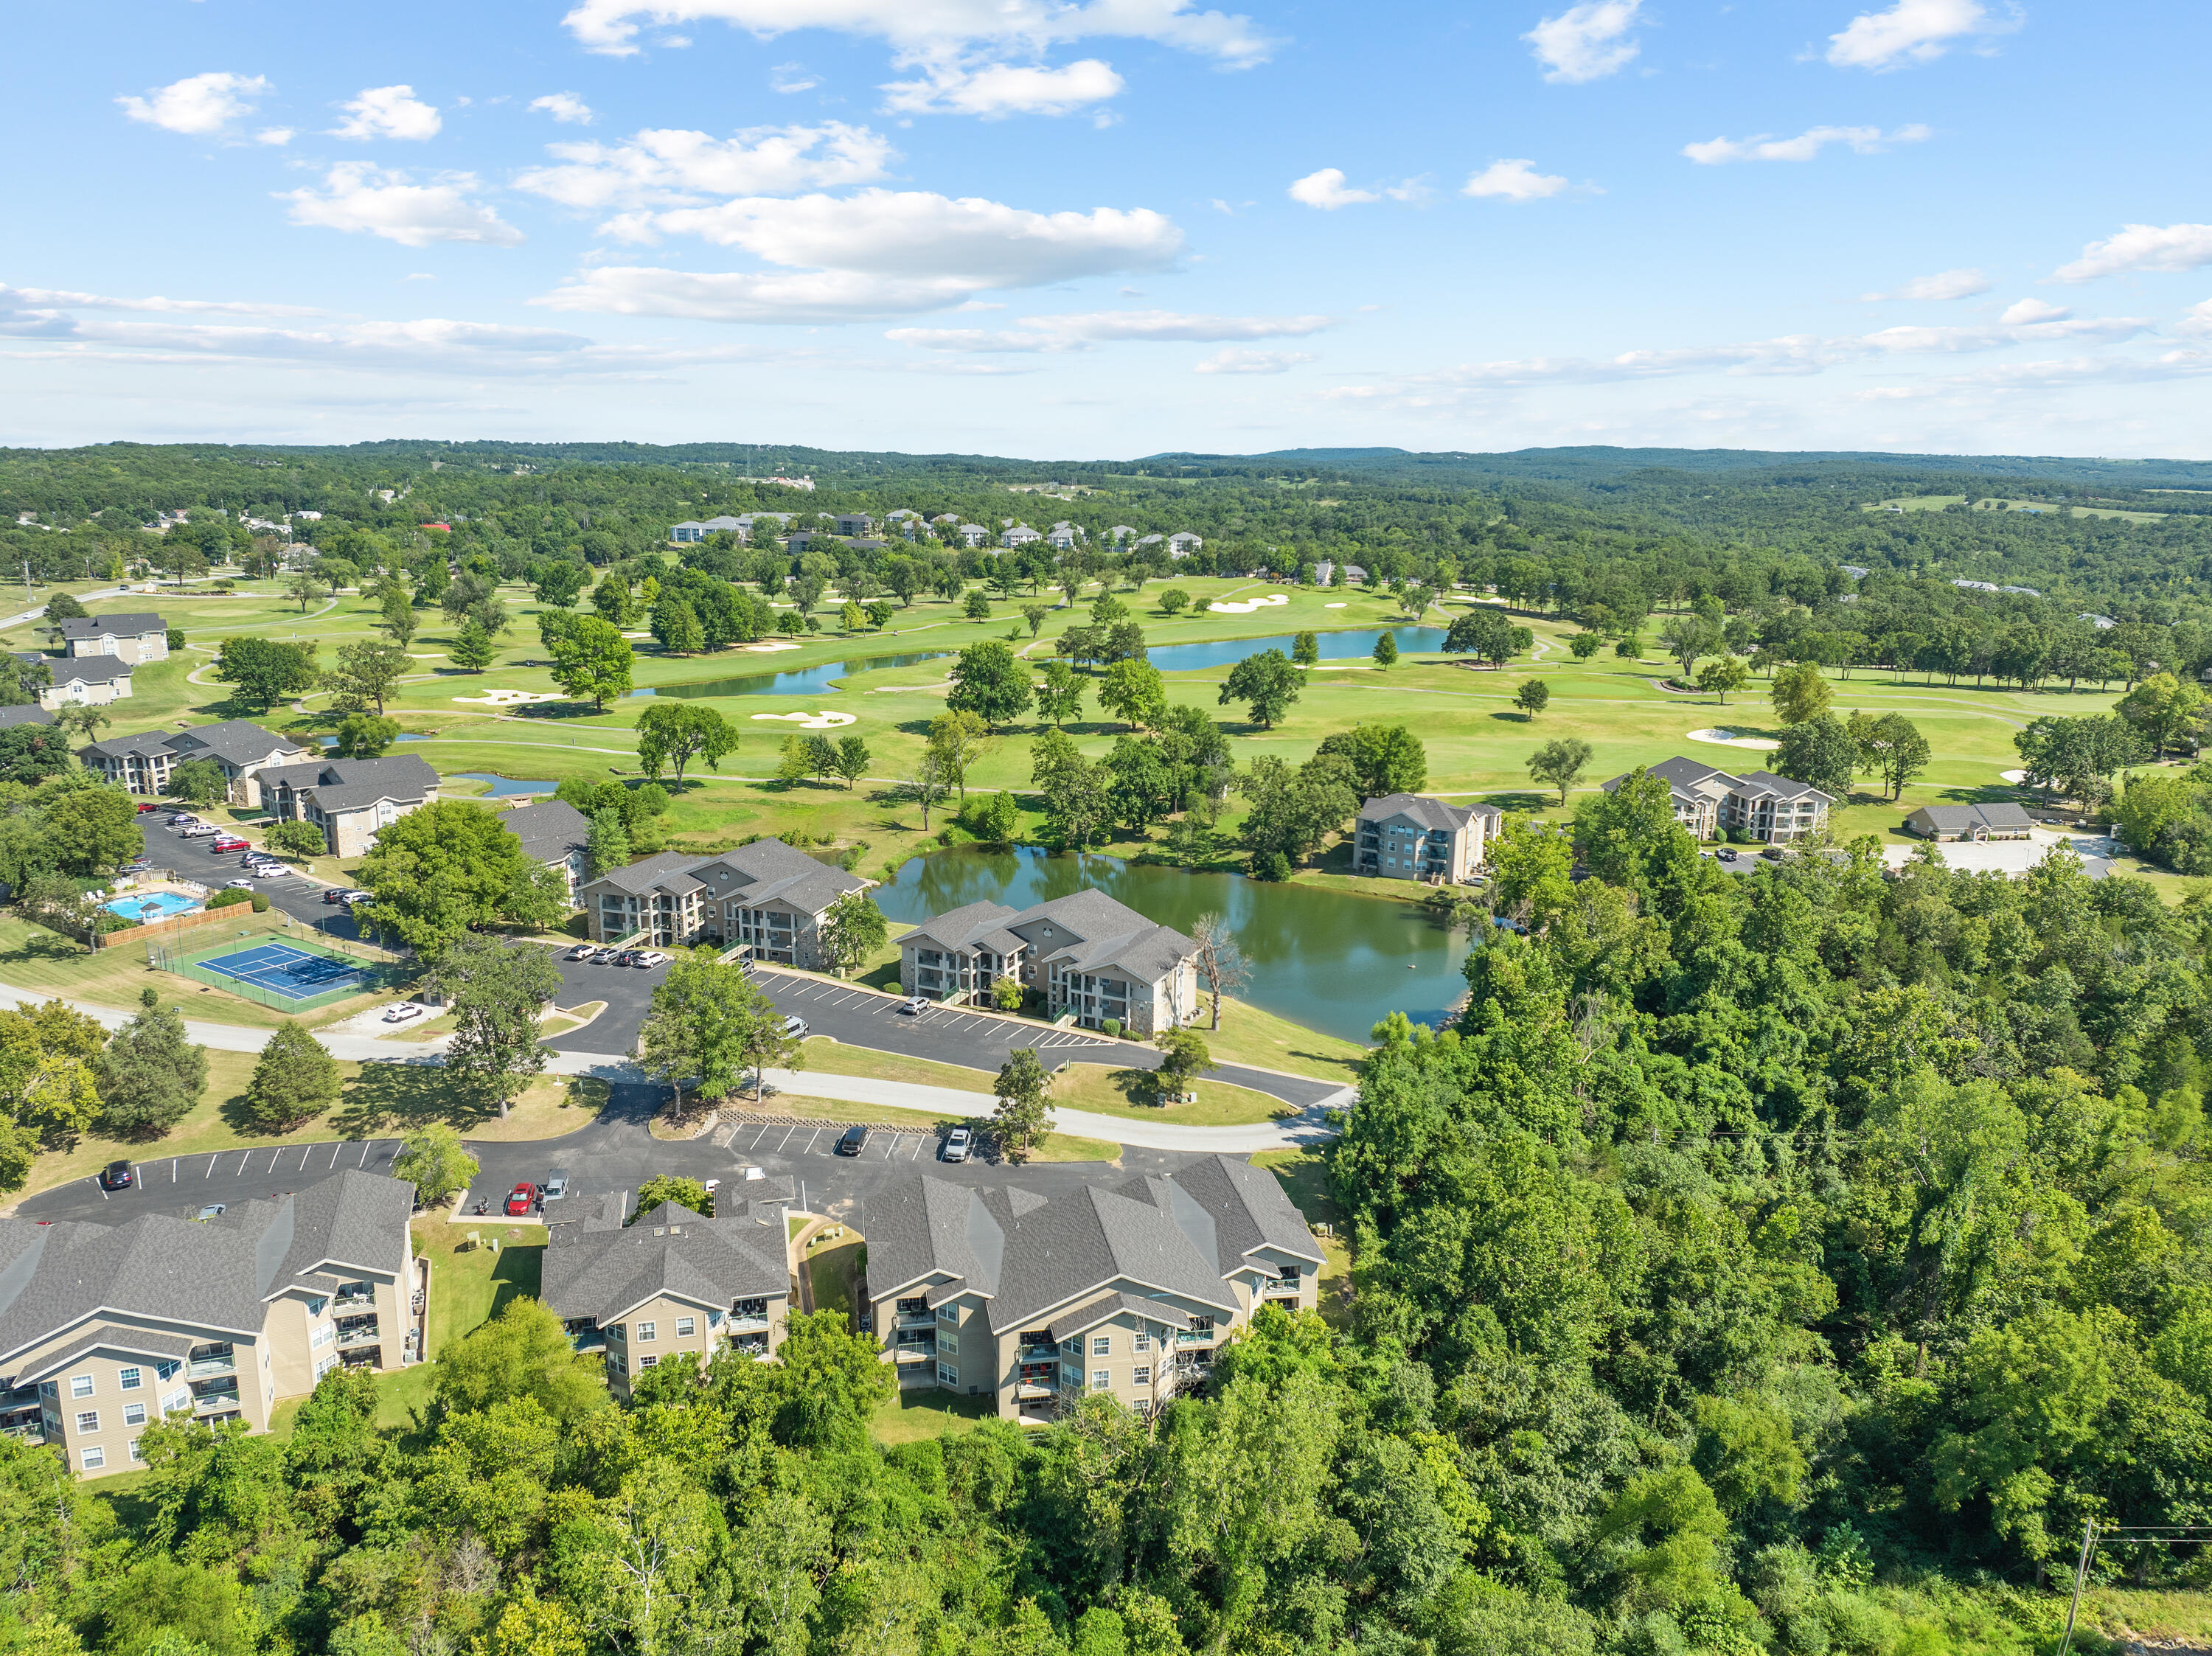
(93, 1458)
(316, 1306)
(323, 1366)
(1143, 1343)
(128, 1378)
(80, 1385)
(686, 1326)
(619, 1364)
(948, 1313)
(1101, 1345)
(134, 1414)
(1144, 1407)
(948, 1341)
(947, 1374)
(1069, 1376)
(323, 1334)
(647, 1363)
(1141, 1375)
(180, 1399)
(88, 1421)
(1100, 1379)
(136, 1453)
(614, 1330)
(165, 1370)
(644, 1331)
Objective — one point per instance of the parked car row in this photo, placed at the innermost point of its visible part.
(593, 954)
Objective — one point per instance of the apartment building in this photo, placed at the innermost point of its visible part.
(767, 895)
(349, 799)
(1084, 953)
(106, 1327)
(1711, 802)
(134, 638)
(1126, 1292)
(1412, 837)
(554, 833)
(672, 1282)
(142, 763)
(85, 681)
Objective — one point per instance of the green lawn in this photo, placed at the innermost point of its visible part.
(1304, 1176)
(469, 1285)
(1091, 1086)
(834, 1272)
(910, 1416)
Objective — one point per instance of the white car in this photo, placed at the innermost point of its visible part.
(650, 957)
(955, 1145)
(403, 1012)
(238, 885)
(270, 870)
(200, 831)
(794, 1026)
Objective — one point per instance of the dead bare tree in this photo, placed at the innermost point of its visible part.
(1221, 965)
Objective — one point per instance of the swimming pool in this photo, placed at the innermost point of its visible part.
(164, 904)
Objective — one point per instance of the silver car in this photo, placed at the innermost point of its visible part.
(957, 1144)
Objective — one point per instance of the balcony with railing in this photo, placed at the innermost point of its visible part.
(211, 1360)
(362, 1297)
(363, 1332)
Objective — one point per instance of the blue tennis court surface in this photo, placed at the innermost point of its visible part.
(283, 970)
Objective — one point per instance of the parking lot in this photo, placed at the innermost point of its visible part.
(182, 1187)
(788, 1140)
(196, 859)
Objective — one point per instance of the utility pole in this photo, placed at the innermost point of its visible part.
(2081, 1574)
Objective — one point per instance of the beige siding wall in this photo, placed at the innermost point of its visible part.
(663, 1328)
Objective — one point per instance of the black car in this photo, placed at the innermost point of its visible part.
(116, 1176)
(855, 1140)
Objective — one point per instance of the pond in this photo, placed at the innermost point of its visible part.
(1330, 960)
(1357, 644)
(501, 786)
(800, 680)
(1354, 644)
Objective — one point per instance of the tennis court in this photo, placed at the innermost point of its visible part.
(280, 969)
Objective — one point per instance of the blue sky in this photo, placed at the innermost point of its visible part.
(1113, 228)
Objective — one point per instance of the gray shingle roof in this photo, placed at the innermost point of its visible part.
(1091, 930)
(767, 871)
(238, 740)
(89, 670)
(962, 927)
(1692, 780)
(1249, 1208)
(1070, 1247)
(213, 1275)
(1428, 811)
(605, 1271)
(342, 784)
(1964, 819)
(24, 713)
(1111, 1305)
(120, 624)
(550, 831)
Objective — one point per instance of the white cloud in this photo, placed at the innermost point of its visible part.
(68, 298)
(1865, 140)
(2024, 311)
(1065, 333)
(924, 29)
(792, 77)
(1913, 32)
(360, 197)
(2141, 247)
(387, 111)
(1233, 361)
(671, 167)
(1787, 355)
(878, 252)
(2198, 318)
(278, 136)
(565, 107)
(1944, 284)
(1586, 42)
(994, 91)
(1513, 180)
(1326, 189)
(199, 105)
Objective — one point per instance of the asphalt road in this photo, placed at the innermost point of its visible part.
(614, 1154)
(860, 1017)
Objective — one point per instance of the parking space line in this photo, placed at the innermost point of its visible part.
(172, 1169)
(917, 1157)
(786, 1139)
(210, 1174)
(242, 1161)
(809, 1151)
(365, 1144)
(335, 1149)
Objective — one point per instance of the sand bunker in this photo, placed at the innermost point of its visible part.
(511, 698)
(1246, 606)
(1730, 739)
(815, 721)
